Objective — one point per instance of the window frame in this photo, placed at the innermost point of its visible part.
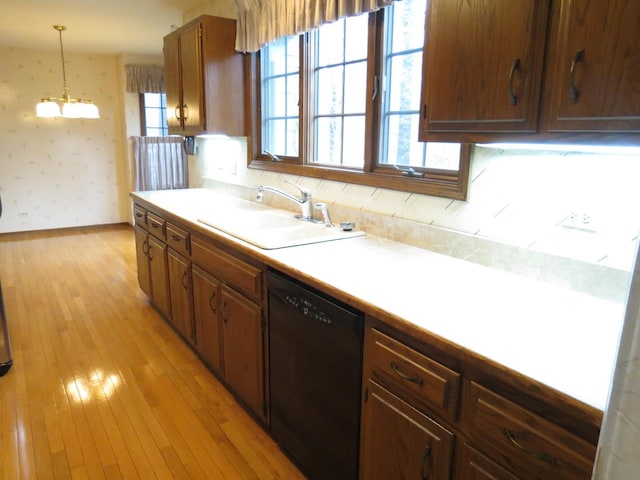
(442, 183)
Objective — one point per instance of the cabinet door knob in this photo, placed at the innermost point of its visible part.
(513, 99)
(185, 111)
(176, 112)
(574, 93)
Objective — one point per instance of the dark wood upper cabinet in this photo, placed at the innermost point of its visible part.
(482, 69)
(204, 78)
(593, 80)
(531, 70)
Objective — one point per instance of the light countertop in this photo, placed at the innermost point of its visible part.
(564, 339)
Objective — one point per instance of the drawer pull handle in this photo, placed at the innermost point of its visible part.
(155, 225)
(426, 463)
(545, 457)
(404, 376)
(175, 238)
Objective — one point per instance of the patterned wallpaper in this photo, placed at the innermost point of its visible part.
(60, 172)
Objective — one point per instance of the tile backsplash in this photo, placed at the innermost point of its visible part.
(561, 216)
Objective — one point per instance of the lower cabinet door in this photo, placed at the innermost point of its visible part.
(142, 259)
(180, 293)
(242, 338)
(400, 442)
(472, 465)
(206, 304)
(159, 272)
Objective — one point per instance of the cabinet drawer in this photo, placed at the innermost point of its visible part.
(140, 216)
(231, 270)
(528, 444)
(417, 378)
(156, 225)
(178, 239)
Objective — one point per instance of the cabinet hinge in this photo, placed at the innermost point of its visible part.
(263, 325)
(366, 395)
(424, 111)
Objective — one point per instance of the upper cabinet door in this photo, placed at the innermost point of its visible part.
(192, 84)
(172, 80)
(482, 67)
(594, 67)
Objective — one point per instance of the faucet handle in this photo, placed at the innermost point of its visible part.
(325, 213)
(306, 194)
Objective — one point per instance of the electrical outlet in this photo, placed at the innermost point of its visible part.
(23, 214)
(580, 221)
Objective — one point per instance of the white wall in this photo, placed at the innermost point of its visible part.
(618, 452)
(60, 172)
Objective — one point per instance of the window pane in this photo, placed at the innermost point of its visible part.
(401, 102)
(276, 100)
(402, 149)
(341, 92)
(357, 38)
(445, 156)
(293, 95)
(152, 100)
(273, 136)
(405, 84)
(355, 98)
(154, 114)
(280, 97)
(292, 137)
(331, 43)
(153, 117)
(353, 144)
(329, 140)
(408, 25)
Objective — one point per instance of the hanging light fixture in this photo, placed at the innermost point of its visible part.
(71, 107)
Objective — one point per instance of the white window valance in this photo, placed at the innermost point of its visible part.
(145, 78)
(263, 21)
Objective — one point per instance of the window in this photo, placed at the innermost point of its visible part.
(343, 103)
(339, 109)
(153, 115)
(280, 81)
(402, 80)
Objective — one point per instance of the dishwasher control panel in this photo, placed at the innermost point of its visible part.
(308, 309)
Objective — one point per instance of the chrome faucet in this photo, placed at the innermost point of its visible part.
(304, 201)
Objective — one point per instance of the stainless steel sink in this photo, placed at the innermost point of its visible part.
(270, 228)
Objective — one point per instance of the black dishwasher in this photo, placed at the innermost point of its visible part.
(315, 371)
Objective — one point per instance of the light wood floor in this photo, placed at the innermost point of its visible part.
(101, 386)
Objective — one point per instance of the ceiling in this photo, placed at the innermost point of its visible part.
(93, 26)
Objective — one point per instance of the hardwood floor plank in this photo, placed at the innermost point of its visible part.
(102, 386)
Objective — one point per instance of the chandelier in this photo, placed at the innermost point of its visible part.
(66, 106)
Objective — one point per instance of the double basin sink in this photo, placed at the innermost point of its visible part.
(271, 228)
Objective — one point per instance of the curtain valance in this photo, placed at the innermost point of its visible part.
(262, 21)
(145, 79)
